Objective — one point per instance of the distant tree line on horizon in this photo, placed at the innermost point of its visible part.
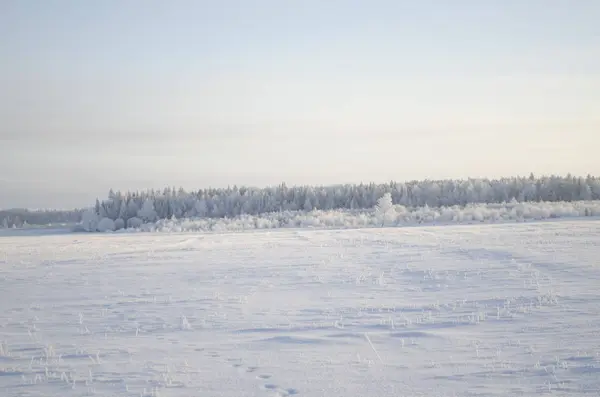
(21, 217)
(152, 205)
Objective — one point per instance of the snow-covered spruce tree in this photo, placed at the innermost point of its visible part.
(147, 213)
(200, 208)
(384, 209)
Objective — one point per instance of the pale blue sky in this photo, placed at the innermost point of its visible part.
(140, 94)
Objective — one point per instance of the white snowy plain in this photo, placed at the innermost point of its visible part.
(486, 310)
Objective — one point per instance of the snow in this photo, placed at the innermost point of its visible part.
(486, 310)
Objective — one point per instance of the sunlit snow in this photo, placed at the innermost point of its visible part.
(486, 310)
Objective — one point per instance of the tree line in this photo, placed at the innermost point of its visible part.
(152, 205)
(21, 217)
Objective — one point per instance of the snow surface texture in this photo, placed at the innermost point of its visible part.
(486, 310)
(384, 214)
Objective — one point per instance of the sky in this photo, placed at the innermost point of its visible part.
(143, 94)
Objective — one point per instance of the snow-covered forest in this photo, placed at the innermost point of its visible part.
(131, 209)
(218, 203)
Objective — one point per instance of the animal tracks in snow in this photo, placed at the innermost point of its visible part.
(506, 309)
(269, 386)
(279, 391)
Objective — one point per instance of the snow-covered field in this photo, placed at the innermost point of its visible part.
(506, 310)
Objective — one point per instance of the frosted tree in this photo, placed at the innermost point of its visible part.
(123, 212)
(384, 209)
(585, 192)
(89, 220)
(307, 205)
(132, 209)
(120, 224)
(200, 208)
(105, 225)
(147, 213)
